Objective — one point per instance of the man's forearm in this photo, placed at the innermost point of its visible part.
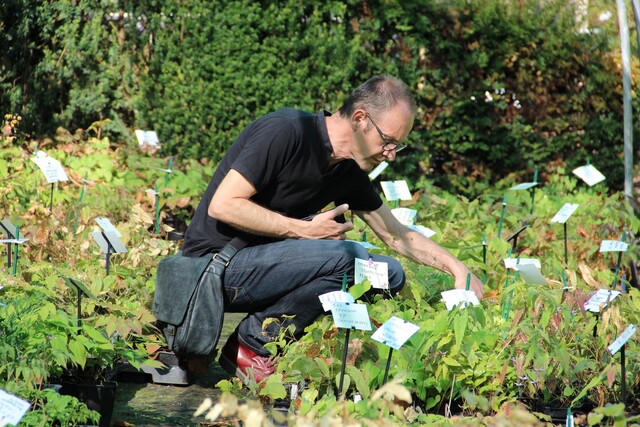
(245, 215)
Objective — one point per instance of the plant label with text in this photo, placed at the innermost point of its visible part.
(459, 296)
(395, 332)
(103, 239)
(589, 174)
(406, 216)
(613, 246)
(50, 167)
(376, 272)
(600, 300)
(396, 190)
(106, 225)
(12, 408)
(148, 137)
(329, 298)
(351, 316)
(565, 212)
(622, 339)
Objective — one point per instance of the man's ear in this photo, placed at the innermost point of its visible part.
(356, 118)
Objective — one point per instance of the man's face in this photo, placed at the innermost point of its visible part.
(380, 137)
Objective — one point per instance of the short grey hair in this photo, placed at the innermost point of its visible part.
(379, 94)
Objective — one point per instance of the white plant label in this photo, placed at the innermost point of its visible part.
(589, 174)
(50, 167)
(351, 316)
(395, 332)
(378, 170)
(406, 216)
(147, 137)
(524, 186)
(336, 296)
(14, 241)
(600, 300)
(459, 296)
(613, 246)
(163, 170)
(376, 272)
(530, 274)
(425, 231)
(512, 262)
(116, 245)
(106, 225)
(565, 212)
(12, 408)
(622, 339)
(396, 190)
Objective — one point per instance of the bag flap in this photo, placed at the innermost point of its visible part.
(176, 280)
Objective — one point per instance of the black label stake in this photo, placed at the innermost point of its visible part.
(108, 254)
(51, 198)
(566, 251)
(623, 375)
(386, 371)
(344, 361)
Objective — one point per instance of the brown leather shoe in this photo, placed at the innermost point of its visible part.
(239, 360)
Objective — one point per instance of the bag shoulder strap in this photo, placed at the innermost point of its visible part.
(230, 250)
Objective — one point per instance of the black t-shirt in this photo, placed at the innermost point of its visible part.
(285, 155)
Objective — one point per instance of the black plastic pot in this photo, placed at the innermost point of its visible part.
(558, 414)
(98, 397)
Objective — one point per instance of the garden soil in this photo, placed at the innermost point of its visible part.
(142, 403)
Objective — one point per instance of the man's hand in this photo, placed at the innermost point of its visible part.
(325, 226)
(475, 284)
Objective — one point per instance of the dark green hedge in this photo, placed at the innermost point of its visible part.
(502, 86)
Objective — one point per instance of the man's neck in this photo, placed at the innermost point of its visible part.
(340, 133)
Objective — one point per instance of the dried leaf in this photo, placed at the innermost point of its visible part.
(585, 272)
(611, 375)
(183, 202)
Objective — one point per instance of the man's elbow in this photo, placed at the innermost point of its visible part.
(217, 210)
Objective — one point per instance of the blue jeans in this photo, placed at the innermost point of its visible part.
(283, 280)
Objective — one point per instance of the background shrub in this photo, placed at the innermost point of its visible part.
(502, 86)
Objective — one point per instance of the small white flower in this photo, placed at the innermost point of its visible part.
(487, 97)
(473, 98)
(502, 91)
(605, 16)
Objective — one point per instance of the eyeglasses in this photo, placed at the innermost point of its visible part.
(389, 144)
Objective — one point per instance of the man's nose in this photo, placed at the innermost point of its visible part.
(390, 155)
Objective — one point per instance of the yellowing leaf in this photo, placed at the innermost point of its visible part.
(449, 361)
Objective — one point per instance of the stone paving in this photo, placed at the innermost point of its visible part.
(140, 403)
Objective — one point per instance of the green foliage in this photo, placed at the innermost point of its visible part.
(501, 86)
(523, 342)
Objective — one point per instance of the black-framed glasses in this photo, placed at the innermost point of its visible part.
(388, 143)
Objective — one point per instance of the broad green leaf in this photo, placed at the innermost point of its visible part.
(449, 361)
(273, 388)
(459, 327)
(359, 380)
(359, 289)
(79, 352)
(324, 368)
